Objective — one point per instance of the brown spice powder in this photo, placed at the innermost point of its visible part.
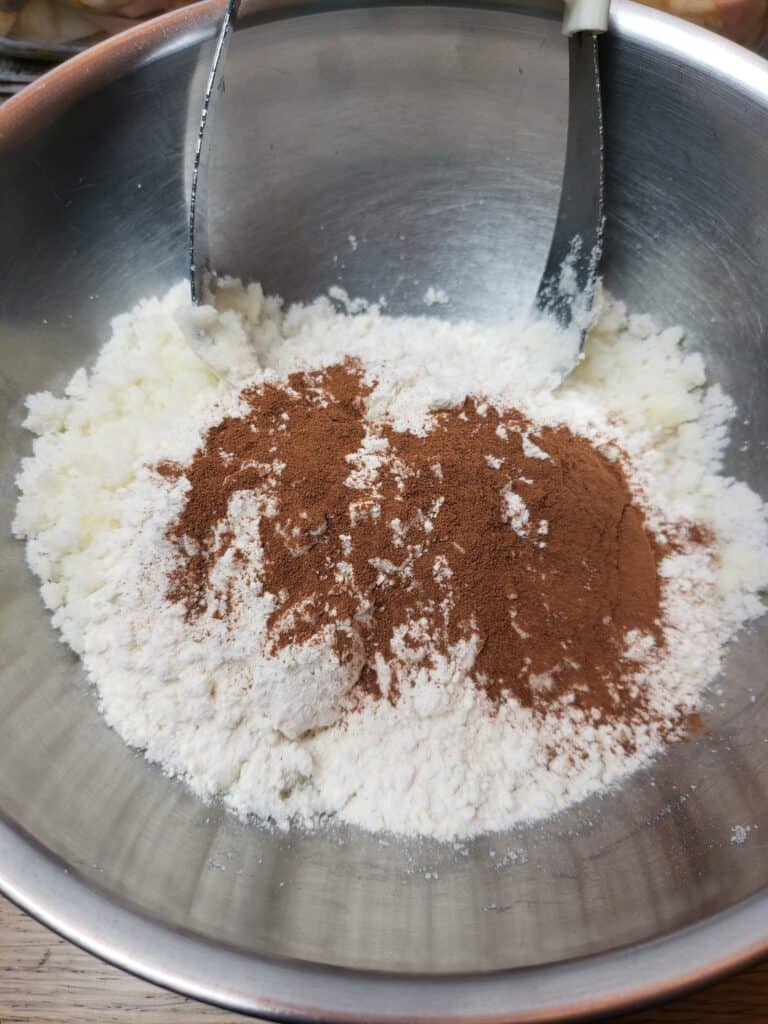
(426, 539)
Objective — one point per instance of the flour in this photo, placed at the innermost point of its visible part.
(436, 296)
(739, 834)
(514, 511)
(265, 730)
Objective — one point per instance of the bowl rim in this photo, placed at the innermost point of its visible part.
(49, 890)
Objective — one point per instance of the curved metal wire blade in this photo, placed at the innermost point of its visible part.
(200, 192)
(568, 284)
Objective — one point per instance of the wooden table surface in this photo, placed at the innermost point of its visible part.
(45, 980)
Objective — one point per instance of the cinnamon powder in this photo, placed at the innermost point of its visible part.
(523, 542)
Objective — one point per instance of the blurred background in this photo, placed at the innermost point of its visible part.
(34, 34)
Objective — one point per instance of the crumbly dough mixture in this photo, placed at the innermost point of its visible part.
(282, 729)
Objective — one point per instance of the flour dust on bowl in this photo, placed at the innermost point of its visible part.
(624, 897)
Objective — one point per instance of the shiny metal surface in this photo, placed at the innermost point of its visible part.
(553, 114)
(207, 192)
(577, 242)
(623, 899)
(403, 110)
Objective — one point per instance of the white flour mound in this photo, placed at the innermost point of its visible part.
(205, 701)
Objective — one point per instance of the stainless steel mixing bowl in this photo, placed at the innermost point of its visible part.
(628, 897)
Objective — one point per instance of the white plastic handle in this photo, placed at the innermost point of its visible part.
(585, 16)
